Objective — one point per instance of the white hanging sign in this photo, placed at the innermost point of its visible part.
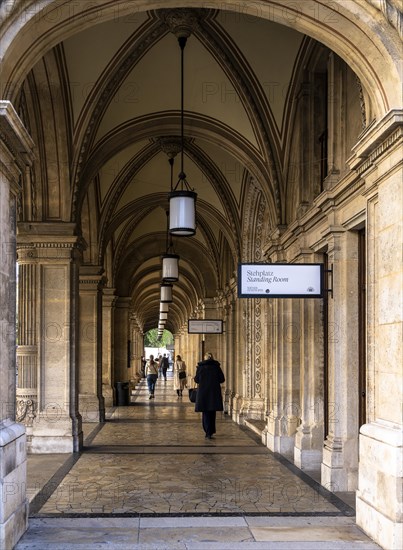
(205, 326)
(280, 280)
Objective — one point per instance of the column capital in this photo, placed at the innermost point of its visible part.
(51, 241)
(16, 146)
(108, 297)
(376, 140)
(92, 276)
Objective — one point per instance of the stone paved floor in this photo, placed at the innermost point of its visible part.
(147, 478)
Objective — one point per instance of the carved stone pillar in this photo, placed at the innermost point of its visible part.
(15, 154)
(230, 344)
(253, 395)
(378, 159)
(240, 359)
(336, 119)
(121, 333)
(91, 403)
(27, 350)
(309, 436)
(57, 253)
(135, 350)
(283, 416)
(340, 454)
(211, 341)
(108, 343)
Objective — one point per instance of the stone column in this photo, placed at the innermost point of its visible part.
(230, 340)
(91, 403)
(378, 159)
(309, 436)
(121, 332)
(211, 341)
(339, 467)
(240, 355)
(15, 155)
(283, 417)
(336, 120)
(27, 350)
(134, 337)
(108, 343)
(253, 395)
(57, 424)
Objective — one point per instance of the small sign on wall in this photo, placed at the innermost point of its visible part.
(280, 280)
(205, 326)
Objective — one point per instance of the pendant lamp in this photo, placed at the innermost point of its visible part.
(166, 293)
(164, 307)
(170, 260)
(163, 316)
(182, 199)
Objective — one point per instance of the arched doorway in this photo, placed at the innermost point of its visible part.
(91, 234)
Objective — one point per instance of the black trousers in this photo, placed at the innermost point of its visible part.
(208, 421)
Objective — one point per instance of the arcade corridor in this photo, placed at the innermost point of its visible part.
(277, 133)
(147, 478)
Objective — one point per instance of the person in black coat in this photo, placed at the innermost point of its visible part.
(209, 376)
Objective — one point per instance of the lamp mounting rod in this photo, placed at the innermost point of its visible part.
(182, 43)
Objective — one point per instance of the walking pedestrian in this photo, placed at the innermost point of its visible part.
(179, 375)
(209, 378)
(151, 375)
(164, 364)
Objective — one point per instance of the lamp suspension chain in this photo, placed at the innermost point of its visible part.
(182, 43)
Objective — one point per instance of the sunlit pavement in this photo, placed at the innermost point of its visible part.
(147, 478)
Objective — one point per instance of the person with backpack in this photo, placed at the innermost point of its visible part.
(151, 373)
(179, 376)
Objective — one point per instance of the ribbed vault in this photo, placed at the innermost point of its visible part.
(114, 105)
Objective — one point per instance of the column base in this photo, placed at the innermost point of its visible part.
(278, 436)
(13, 501)
(237, 409)
(339, 468)
(90, 408)
(54, 436)
(379, 499)
(308, 448)
(13, 529)
(107, 393)
(255, 409)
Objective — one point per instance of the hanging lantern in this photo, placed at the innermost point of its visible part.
(182, 199)
(166, 293)
(182, 213)
(170, 270)
(163, 316)
(164, 307)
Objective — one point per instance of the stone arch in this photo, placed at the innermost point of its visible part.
(343, 27)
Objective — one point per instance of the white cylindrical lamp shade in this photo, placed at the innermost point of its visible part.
(166, 293)
(164, 307)
(163, 316)
(182, 213)
(170, 270)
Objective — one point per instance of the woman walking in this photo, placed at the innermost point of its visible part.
(209, 377)
(179, 375)
(151, 375)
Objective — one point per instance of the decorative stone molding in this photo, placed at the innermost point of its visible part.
(182, 22)
(362, 103)
(26, 410)
(392, 11)
(170, 145)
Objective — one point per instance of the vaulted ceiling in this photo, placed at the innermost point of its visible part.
(120, 91)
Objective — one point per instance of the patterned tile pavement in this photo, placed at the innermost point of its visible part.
(147, 478)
